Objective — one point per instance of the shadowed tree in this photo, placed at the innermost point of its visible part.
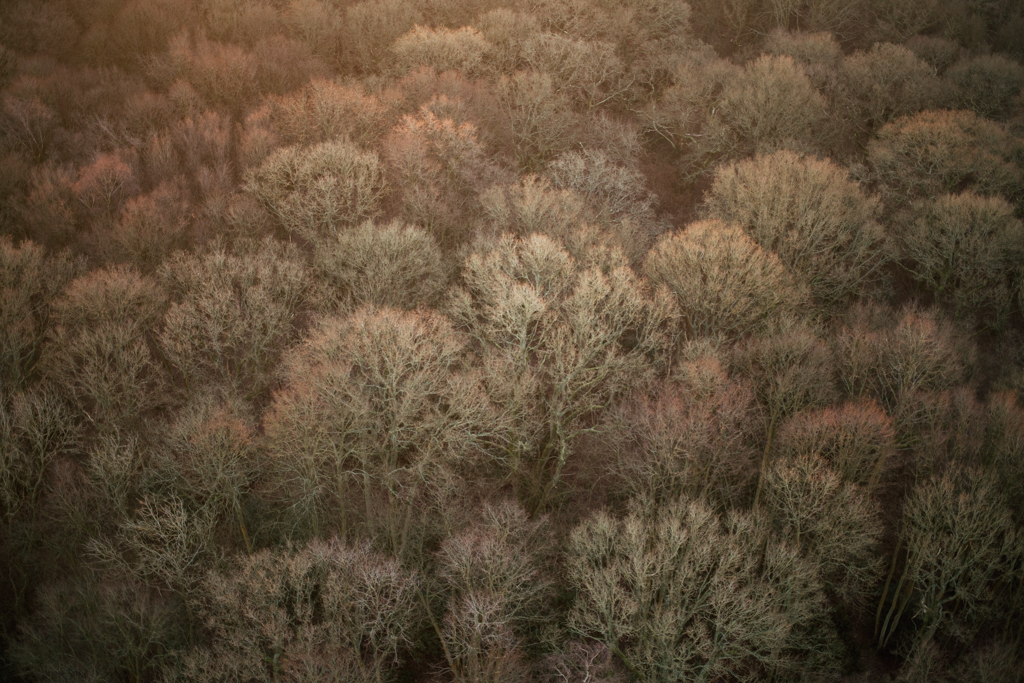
(884, 83)
(965, 248)
(490, 575)
(323, 612)
(234, 314)
(988, 85)
(694, 436)
(834, 524)
(94, 626)
(715, 110)
(35, 429)
(376, 409)
(29, 282)
(936, 152)
(963, 560)
(857, 440)
(99, 354)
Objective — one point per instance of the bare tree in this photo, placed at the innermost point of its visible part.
(234, 314)
(988, 85)
(962, 558)
(376, 408)
(149, 228)
(791, 370)
(439, 168)
(393, 265)
(561, 340)
(315, 191)
(495, 593)
(809, 212)
(588, 72)
(99, 353)
(371, 28)
(891, 362)
(677, 594)
(326, 611)
(936, 152)
(539, 118)
(724, 283)
(463, 50)
(94, 626)
(884, 83)
(715, 110)
(694, 436)
(833, 523)
(35, 429)
(209, 457)
(965, 248)
(320, 112)
(29, 282)
(856, 439)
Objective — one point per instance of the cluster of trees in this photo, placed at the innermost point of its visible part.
(511, 340)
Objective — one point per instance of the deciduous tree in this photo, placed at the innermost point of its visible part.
(724, 283)
(965, 248)
(561, 339)
(809, 212)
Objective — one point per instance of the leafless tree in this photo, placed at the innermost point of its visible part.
(724, 283)
(561, 340)
(808, 211)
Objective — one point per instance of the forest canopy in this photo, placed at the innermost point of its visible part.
(505, 341)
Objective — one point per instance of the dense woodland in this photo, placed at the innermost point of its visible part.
(502, 341)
